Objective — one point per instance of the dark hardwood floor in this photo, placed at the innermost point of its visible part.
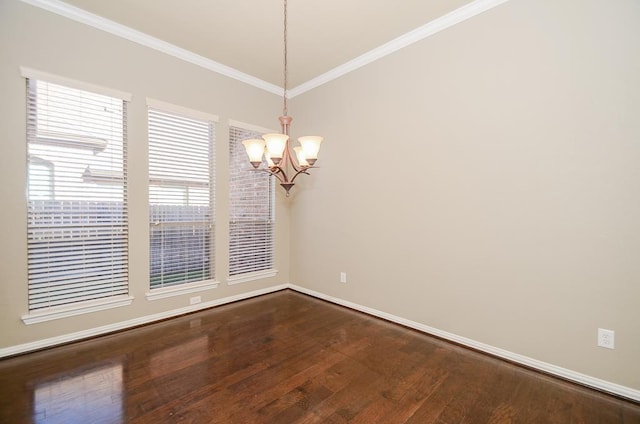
(286, 358)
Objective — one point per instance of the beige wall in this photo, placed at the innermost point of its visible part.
(40, 40)
(486, 182)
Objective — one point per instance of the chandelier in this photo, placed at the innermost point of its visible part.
(275, 147)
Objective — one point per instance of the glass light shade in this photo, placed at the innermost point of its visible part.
(310, 146)
(275, 145)
(255, 150)
(270, 163)
(302, 161)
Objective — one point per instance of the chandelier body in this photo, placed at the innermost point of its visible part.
(275, 147)
(281, 163)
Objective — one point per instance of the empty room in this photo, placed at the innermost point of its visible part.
(296, 211)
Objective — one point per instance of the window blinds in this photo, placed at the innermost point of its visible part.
(181, 212)
(251, 199)
(77, 226)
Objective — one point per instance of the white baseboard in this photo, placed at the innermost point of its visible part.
(564, 373)
(123, 325)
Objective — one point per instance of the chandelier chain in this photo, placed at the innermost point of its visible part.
(284, 96)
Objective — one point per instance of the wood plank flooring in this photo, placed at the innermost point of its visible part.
(286, 358)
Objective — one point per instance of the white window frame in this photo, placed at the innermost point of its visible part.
(72, 309)
(194, 286)
(264, 273)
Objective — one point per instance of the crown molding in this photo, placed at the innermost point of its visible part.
(98, 22)
(439, 24)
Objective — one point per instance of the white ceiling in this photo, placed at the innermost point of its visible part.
(247, 35)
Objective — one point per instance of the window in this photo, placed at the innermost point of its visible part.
(77, 223)
(251, 198)
(181, 193)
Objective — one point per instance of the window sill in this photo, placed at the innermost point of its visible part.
(251, 276)
(80, 309)
(181, 289)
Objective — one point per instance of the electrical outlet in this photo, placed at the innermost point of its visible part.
(195, 299)
(606, 338)
(343, 277)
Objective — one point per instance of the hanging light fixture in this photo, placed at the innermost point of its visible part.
(275, 147)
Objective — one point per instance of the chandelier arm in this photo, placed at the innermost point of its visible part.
(302, 171)
(279, 173)
(274, 171)
(287, 157)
